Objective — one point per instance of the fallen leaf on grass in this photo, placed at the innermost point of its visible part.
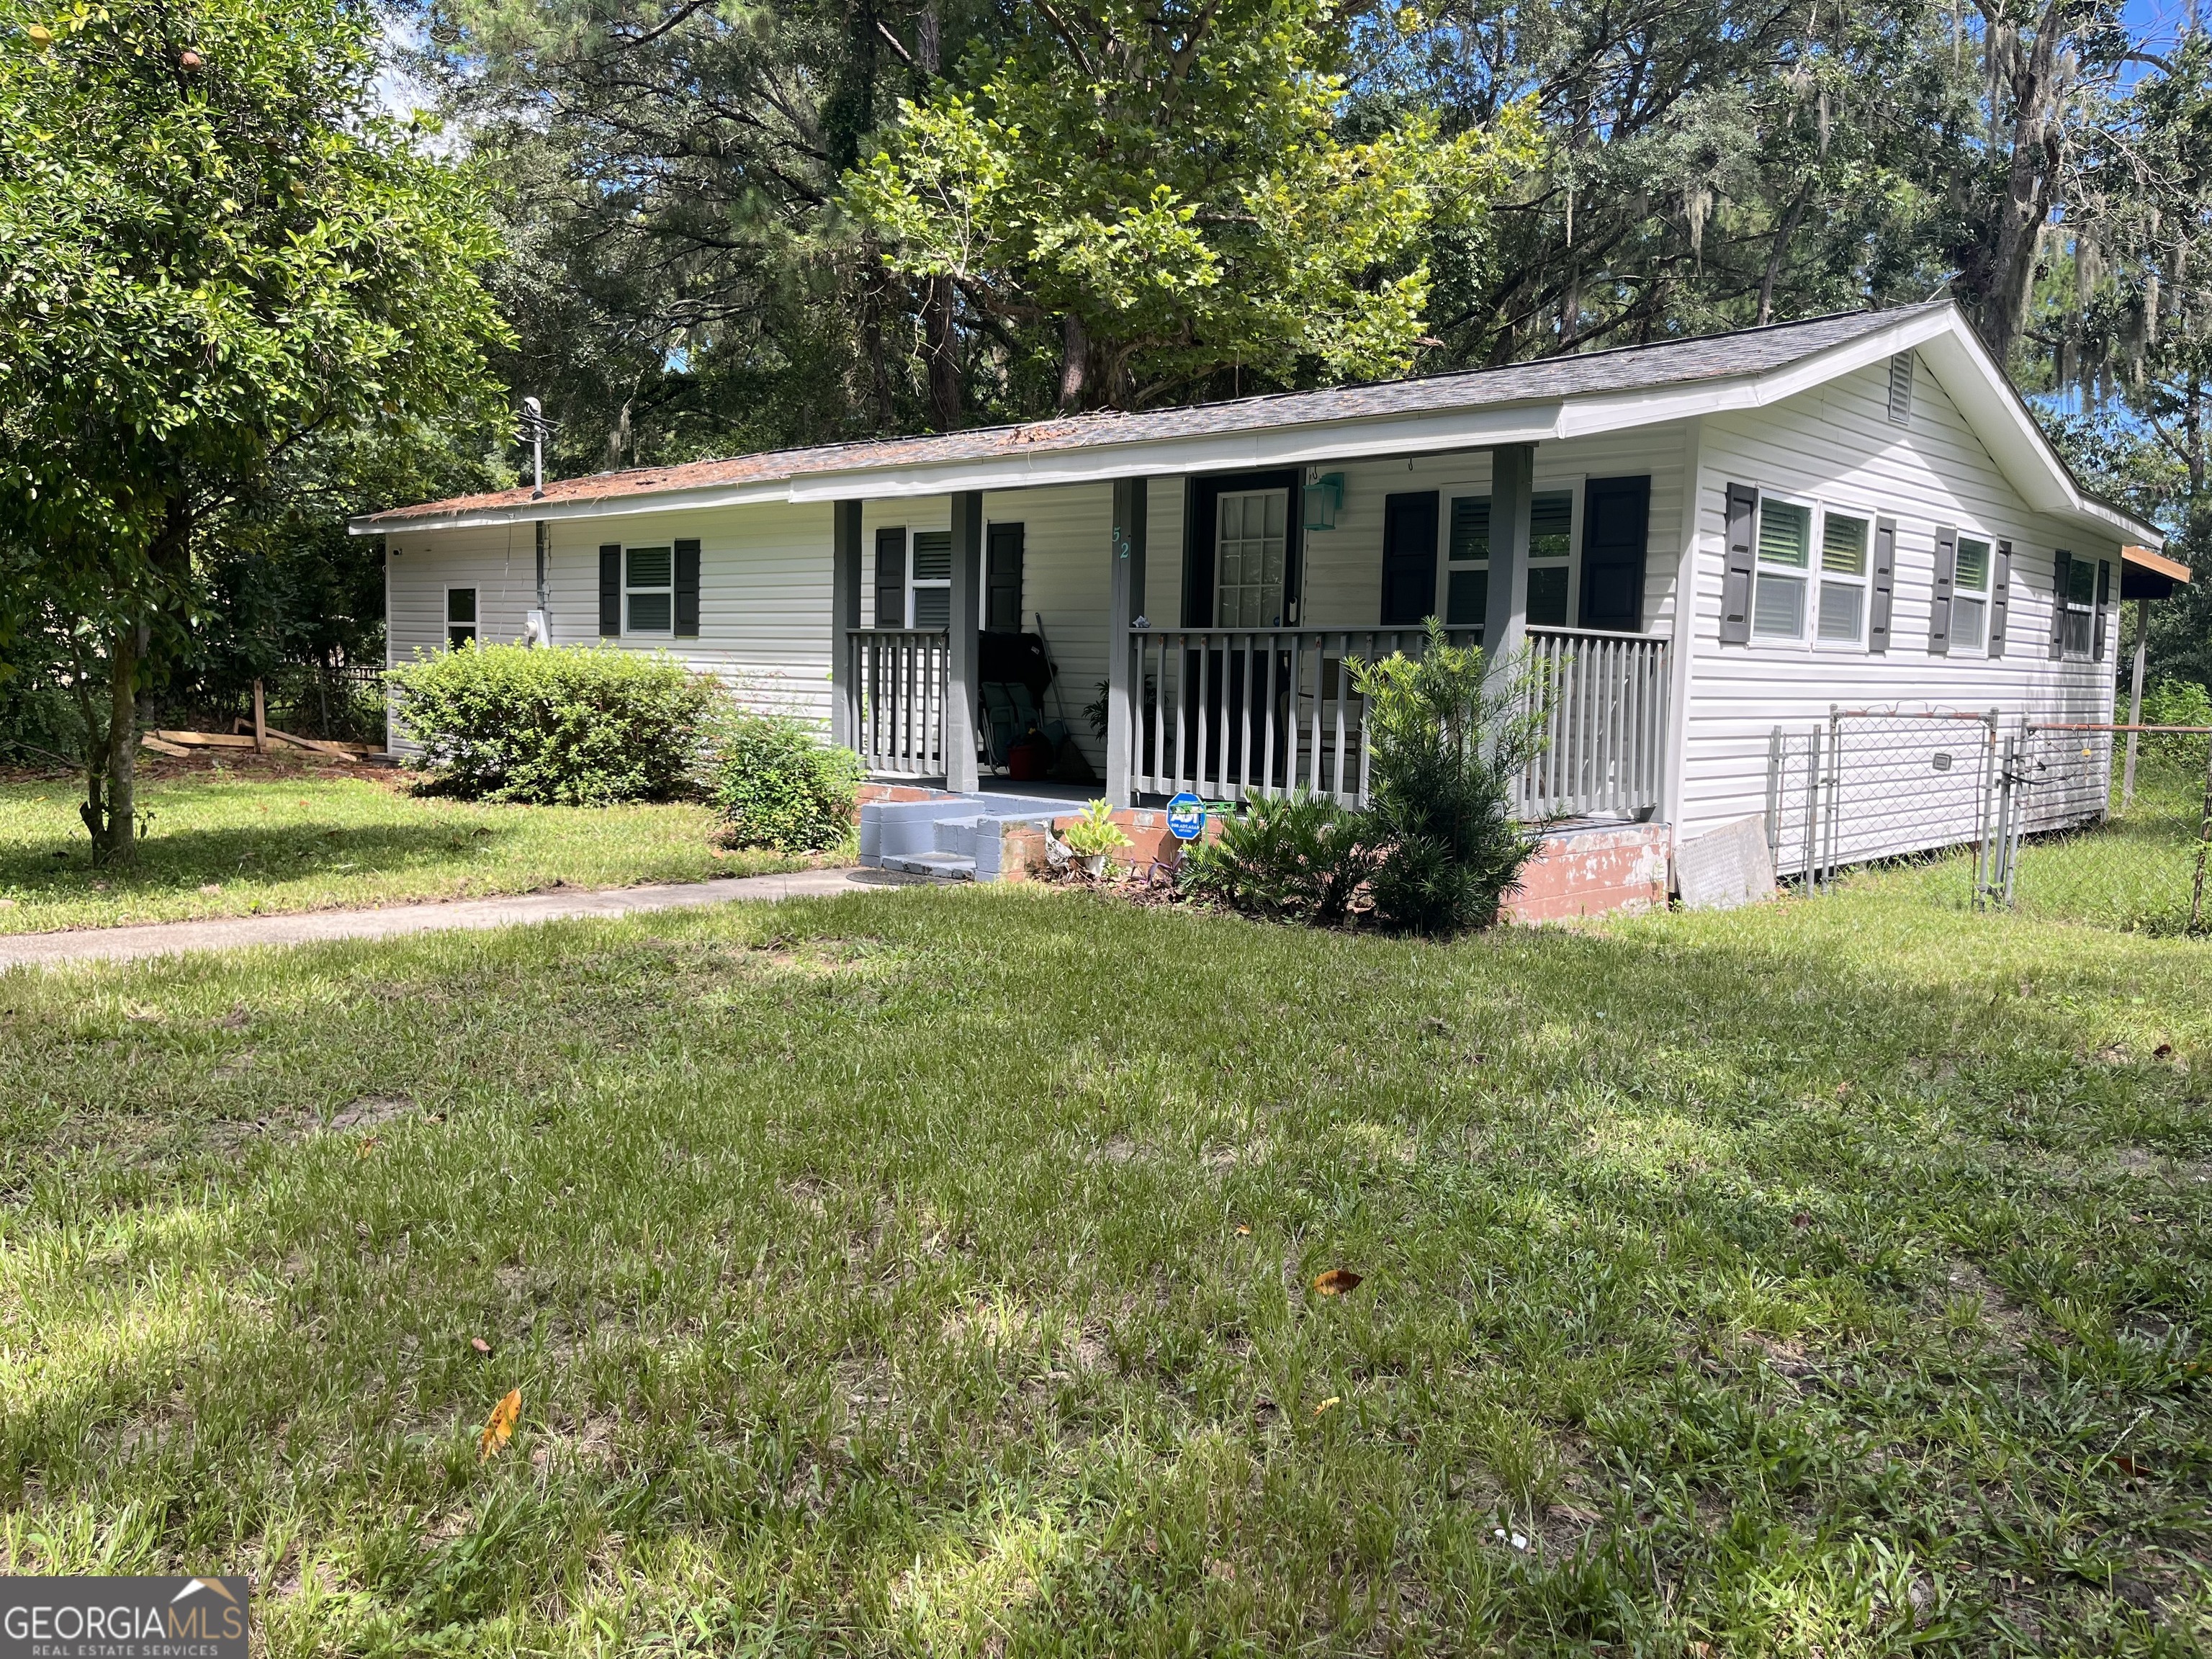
(1243, 1231)
(479, 1345)
(1332, 1400)
(366, 1147)
(499, 1427)
(1335, 1282)
(2164, 1051)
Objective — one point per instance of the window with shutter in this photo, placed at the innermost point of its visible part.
(649, 590)
(1467, 554)
(929, 590)
(1844, 547)
(2081, 607)
(1786, 553)
(1970, 594)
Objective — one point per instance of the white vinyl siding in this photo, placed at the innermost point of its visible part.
(1836, 444)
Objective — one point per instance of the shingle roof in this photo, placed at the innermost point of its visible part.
(1628, 368)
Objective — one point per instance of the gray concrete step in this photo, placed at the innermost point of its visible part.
(937, 867)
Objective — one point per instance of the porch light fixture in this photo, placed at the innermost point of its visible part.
(1324, 495)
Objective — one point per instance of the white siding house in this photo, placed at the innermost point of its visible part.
(1705, 539)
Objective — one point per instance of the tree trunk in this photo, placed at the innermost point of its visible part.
(1074, 363)
(2030, 183)
(943, 344)
(113, 774)
(1783, 233)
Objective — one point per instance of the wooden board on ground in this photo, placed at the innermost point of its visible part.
(204, 740)
(173, 751)
(1726, 867)
(336, 751)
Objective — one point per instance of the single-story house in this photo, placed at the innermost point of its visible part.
(1696, 541)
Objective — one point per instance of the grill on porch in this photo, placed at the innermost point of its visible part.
(1228, 714)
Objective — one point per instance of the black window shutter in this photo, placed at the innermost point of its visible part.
(687, 590)
(1002, 582)
(1947, 573)
(1884, 584)
(2061, 565)
(2103, 604)
(610, 590)
(1736, 582)
(2000, 598)
(891, 578)
(1409, 558)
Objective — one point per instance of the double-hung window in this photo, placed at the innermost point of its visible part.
(461, 616)
(1785, 547)
(1842, 619)
(2081, 606)
(1970, 596)
(932, 605)
(1551, 543)
(649, 590)
(1466, 562)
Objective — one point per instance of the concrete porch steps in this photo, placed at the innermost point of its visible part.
(950, 837)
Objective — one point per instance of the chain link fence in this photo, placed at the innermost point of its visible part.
(1866, 786)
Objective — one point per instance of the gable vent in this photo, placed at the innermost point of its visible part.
(1900, 389)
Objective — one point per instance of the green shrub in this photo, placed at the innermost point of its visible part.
(778, 786)
(1299, 858)
(2175, 702)
(1446, 746)
(576, 726)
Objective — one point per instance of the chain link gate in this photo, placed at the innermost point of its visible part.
(1868, 784)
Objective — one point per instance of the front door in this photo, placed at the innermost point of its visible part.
(1409, 559)
(1616, 517)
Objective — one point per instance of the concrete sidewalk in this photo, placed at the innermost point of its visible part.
(226, 932)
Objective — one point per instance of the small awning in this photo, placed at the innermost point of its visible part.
(2147, 575)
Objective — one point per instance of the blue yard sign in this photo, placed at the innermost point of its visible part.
(1186, 816)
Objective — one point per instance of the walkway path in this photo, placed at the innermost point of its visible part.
(223, 933)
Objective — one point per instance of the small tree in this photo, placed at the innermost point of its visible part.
(213, 252)
(1448, 735)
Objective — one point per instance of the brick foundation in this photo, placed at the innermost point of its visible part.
(1595, 872)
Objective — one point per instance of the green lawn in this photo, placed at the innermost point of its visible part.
(238, 843)
(927, 1271)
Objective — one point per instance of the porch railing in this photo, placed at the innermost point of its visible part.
(898, 678)
(1230, 712)
(1604, 723)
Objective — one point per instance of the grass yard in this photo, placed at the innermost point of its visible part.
(268, 838)
(928, 1272)
(2134, 873)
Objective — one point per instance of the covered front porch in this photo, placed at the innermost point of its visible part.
(1219, 617)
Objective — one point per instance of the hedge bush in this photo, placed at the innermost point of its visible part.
(777, 785)
(573, 725)
(1299, 858)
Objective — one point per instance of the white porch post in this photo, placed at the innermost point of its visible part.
(1506, 620)
(844, 615)
(1125, 603)
(963, 689)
